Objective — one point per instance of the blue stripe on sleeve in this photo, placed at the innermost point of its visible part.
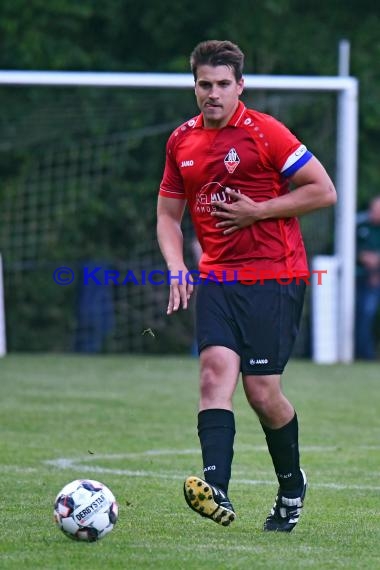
(297, 165)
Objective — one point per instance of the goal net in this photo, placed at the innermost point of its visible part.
(81, 167)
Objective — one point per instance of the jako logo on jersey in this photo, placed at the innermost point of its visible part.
(185, 163)
(231, 160)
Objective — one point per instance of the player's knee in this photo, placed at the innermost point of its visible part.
(210, 379)
(262, 396)
(260, 402)
(217, 383)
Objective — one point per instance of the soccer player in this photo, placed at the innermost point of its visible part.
(233, 167)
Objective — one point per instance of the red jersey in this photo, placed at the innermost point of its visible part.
(254, 154)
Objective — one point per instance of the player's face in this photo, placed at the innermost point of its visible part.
(217, 93)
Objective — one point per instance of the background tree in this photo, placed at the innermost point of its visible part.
(42, 127)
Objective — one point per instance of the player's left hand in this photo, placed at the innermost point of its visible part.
(239, 213)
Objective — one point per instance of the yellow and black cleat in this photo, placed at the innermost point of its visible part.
(208, 501)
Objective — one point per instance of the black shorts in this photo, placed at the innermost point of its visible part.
(259, 322)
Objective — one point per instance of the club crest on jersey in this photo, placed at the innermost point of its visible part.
(231, 160)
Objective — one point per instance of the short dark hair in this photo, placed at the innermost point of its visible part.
(216, 52)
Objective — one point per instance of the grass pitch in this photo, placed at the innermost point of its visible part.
(131, 423)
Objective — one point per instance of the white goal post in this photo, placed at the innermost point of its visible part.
(346, 89)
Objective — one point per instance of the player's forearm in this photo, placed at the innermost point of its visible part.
(313, 190)
(170, 240)
(300, 201)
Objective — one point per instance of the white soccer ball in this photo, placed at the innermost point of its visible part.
(85, 510)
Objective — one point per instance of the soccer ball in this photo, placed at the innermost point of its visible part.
(85, 510)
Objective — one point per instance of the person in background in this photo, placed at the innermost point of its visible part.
(233, 167)
(368, 280)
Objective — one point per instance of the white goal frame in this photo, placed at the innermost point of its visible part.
(346, 89)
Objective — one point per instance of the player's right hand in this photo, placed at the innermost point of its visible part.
(180, 290)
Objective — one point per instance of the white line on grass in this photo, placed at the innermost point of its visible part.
(17, 469)
(81, 464)
(178, 452)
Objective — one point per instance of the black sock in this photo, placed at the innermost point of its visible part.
(283, 448)
(216, 430)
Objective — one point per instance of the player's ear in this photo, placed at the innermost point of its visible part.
(240, 84)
